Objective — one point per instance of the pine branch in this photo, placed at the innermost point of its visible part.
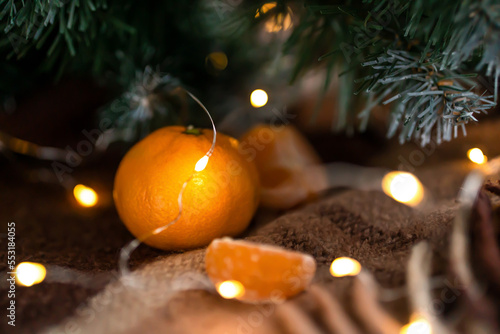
(102, 38)
(149, 103)
(29, 24)
(460, 30)
(419, 56)
(424, 97)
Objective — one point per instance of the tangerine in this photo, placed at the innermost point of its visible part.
(219, 200)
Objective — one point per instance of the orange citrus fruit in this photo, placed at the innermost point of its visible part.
(219, 200)
(265, 273)
(283, 157)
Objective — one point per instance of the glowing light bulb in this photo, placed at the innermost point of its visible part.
(218, 60)
(403, 187)
(476, 156)
(258, 98)
(345, 266)
(230, 289)
(30, 273)
(278, 22)
(86, 196)
(265, 8)
(418, 326)
(201, 164)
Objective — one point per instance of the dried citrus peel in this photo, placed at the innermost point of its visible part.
(283, 157)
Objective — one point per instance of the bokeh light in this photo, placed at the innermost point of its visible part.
(345, 266)
(85, 196)
(279, 21)
(418, 326)
(403, 187)
(258, 98)
(217, 60)
(476, 156)
(231, 289)
(201, 164)
(30, 273)
(265, 8)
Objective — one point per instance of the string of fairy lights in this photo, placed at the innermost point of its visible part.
(199, 166)
(403, 187)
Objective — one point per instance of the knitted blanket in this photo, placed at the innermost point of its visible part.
(173, 295)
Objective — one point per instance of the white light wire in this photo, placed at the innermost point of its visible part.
(127, 250)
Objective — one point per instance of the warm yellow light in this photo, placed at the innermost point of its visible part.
(419, 326)
(86, 196)
(403, 187)
(476, 156)
(278, 22)
(201, 164)
(345, 266)
(265, 8)
(234, 142)
(231, 289)
(218, 60)
(30, 273)
(258, 98)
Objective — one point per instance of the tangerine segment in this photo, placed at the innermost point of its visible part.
(267, 273)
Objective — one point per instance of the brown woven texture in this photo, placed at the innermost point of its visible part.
(173, 295)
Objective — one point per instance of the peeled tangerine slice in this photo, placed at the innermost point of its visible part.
(254, 272)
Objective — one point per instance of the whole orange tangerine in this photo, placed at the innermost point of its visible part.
(265, 273)
(219, 200)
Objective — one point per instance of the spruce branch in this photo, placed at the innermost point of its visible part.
(424, 97)
(419, 56)
(150, 102)
(29, 24)
(458, 30)
(104, 39)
